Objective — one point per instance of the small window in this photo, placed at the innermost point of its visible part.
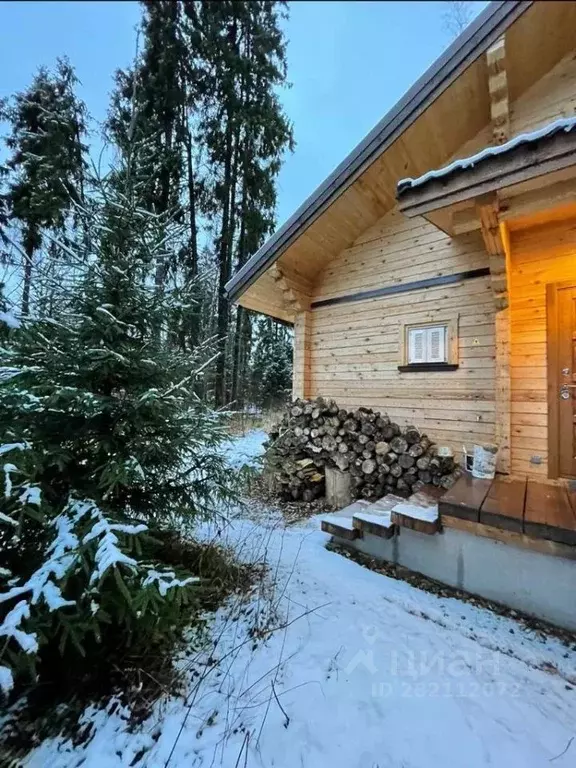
(427, 345)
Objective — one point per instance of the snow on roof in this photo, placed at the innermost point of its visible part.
(562, 124)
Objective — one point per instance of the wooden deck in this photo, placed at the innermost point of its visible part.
(511, 504)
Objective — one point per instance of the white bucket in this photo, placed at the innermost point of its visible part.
(484, 465)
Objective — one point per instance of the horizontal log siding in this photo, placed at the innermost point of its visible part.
(355, 348)
(551, 97)
(539, 255)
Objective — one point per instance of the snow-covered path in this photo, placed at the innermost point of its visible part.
(368, 672)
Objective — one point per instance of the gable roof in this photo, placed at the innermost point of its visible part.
(474, 41)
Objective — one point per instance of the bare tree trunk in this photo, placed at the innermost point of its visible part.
(242, 342)
(192, 256)
(237, 371)
(239, 357)
(27, 280)
(192, 264)
(224, 260)
(238, 335)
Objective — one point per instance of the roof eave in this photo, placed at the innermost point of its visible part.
(549, 150)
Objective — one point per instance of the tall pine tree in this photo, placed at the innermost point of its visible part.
(154, 100)
(46, 162)
(147, 106)
(203, 95)
(241, 63)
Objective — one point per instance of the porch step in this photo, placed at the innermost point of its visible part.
(420, 512)
(341, 527)
(377, 517)
(515, 504)
(417, 517)
(383, 517)
(465, 498)
(340, 523)
(427, 497)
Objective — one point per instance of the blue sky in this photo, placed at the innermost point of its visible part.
(348, 63)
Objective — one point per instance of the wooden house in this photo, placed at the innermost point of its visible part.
(433, 274)
(484, 250)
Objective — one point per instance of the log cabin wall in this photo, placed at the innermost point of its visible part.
(539, 255)
(355, 347)
(551, 97)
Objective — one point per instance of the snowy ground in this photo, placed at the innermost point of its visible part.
(246, 449)
(364, 672)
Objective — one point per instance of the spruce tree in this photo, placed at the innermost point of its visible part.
(102, 436)
(157, 99)
(46, 163)
(118, 394)
(203, 96)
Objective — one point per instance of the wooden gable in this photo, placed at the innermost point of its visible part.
(458, 121)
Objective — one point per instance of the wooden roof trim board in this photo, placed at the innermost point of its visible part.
(472, 43)
(526, 157)
(565, 124)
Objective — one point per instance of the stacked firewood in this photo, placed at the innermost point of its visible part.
(299, 478)
(380, 456)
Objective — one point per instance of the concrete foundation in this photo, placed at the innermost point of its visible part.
(538, 584)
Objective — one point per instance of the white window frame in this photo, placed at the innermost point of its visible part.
(448, 349)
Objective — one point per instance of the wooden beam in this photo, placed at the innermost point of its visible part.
(510, 537)
(465, 220)
(513, 206)
(522, 163)
(392, 290)
(502, 383)
(552, 365)
(502, 389)
(442, 220)
(255, 304)
(492, 236)
(540, 199)
(487, 208)
(495, 241)
(290, 289)
(301, 374)
(498, 89)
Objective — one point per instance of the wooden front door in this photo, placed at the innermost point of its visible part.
(561, 336)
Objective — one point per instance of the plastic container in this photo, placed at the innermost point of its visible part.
(467, 457)
(484, 464)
